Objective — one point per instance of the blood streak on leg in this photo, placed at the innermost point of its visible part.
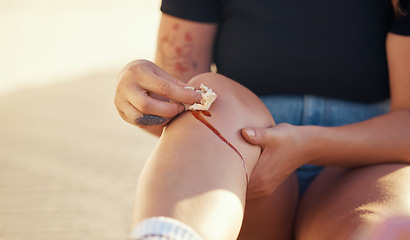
(206, 113)
(197, 115)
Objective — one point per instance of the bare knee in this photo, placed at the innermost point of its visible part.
(236, 107)
(230, 89)
(235, 100)
(209, 78)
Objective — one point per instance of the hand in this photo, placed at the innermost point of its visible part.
(282, 153)
(143, 93)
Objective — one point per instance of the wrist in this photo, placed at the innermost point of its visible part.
(310, 144)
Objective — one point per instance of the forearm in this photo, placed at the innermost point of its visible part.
(379, 140)
(184, 48)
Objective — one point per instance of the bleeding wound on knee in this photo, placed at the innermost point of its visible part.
(208, 97)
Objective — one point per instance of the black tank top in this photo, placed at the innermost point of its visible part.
(321, 47)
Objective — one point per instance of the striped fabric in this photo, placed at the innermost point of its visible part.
(163, 228)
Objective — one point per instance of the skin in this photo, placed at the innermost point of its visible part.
(144, 88)
(364, 159)
(380, 146)
(397, 227)
(209, 175)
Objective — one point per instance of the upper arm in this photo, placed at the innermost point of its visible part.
(398, 56)
(184, 48)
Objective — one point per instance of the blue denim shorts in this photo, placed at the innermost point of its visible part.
(319, 111)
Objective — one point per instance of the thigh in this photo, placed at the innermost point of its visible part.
(272, 217)
(339, 201)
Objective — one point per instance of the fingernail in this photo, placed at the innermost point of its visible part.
(250, 133)
(181, 108)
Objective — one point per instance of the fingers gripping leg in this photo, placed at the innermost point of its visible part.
(195, 177)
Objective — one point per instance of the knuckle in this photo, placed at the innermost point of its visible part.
(163, 88)
(138, 65)
(132, 69)
(145, 106)
(172, 112)
(121, 85)
(135, 68)
(122, 114)
(169, 111)
(125, 117)
(119, 107)
(117, 101)
(127, 81)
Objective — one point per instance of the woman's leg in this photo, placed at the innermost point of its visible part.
(272, 217)
(340, 201)
(196, 178)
